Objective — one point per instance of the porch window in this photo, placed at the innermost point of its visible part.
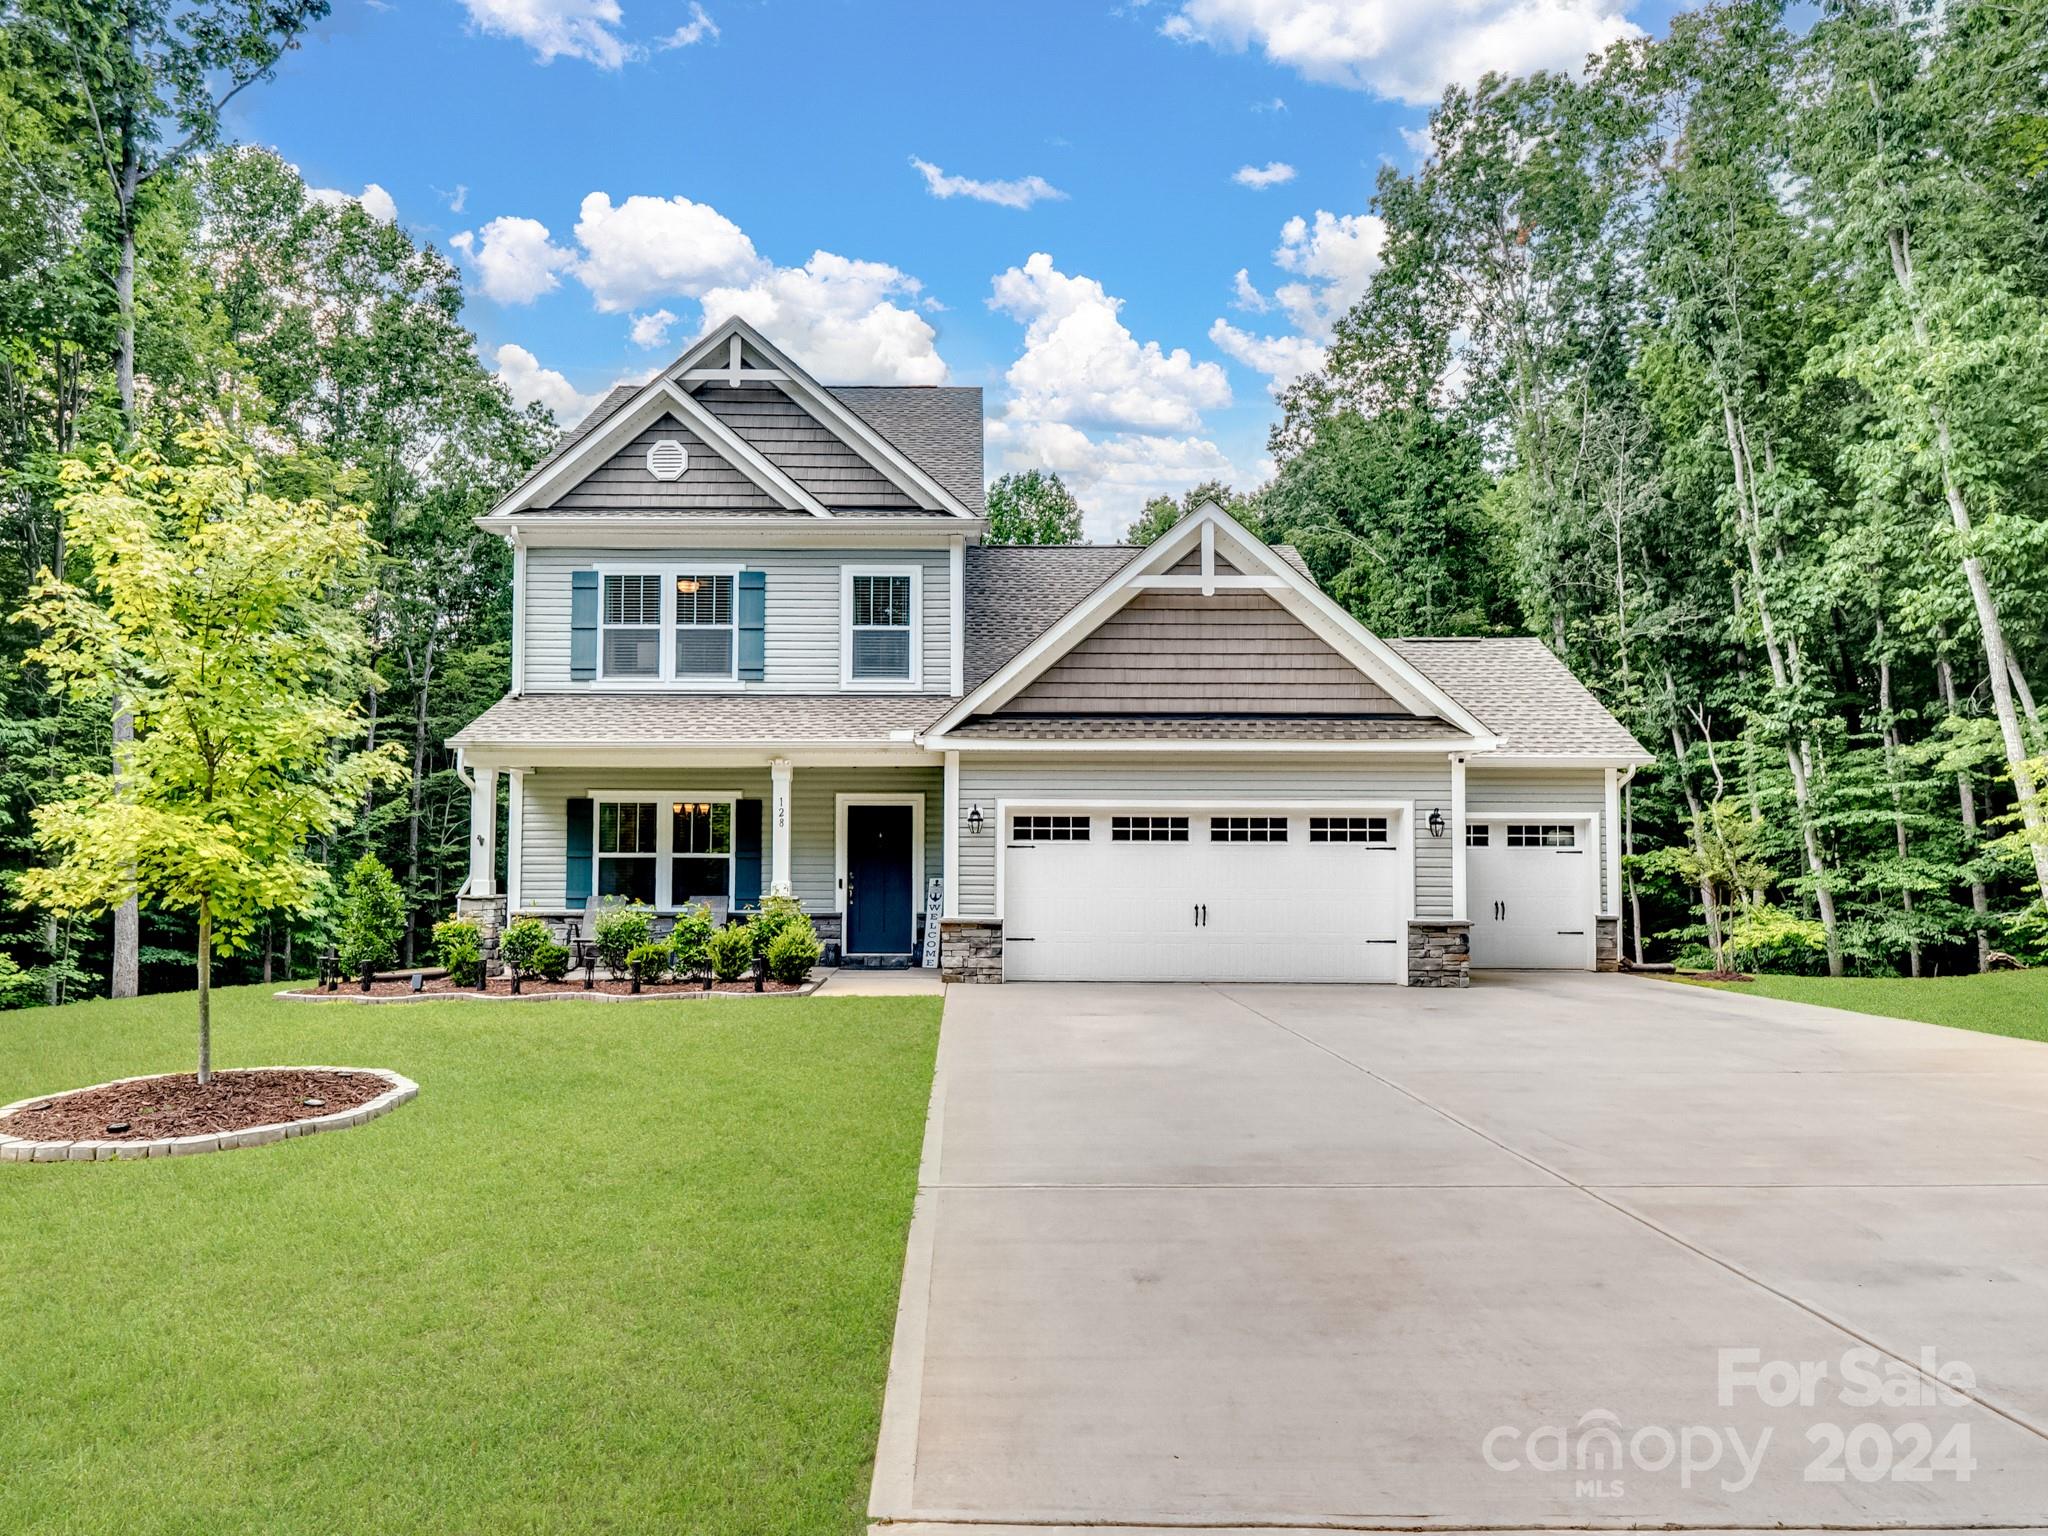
(631, 625)
(704, 628)
(880, 629)
(628, 850)
(700, 836)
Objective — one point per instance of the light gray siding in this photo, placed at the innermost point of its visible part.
(796, 443)
(710, 484)
(987, 779)
(802, 649)
(1577, 791)
(813, 819)
(1178, 652)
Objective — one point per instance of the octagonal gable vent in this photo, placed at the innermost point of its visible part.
(667, 459)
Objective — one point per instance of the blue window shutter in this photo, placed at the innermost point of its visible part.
(583, 628)
(753, 627)
(576, 885)
(746, 854)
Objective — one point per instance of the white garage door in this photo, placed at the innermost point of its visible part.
(1531, 899)
(1172, 894)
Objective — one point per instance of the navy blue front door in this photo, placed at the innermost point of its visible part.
(878, 893)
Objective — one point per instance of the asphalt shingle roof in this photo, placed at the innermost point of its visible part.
(1204, 728)
(1015, 593)
(698, 719)
(1523, 694)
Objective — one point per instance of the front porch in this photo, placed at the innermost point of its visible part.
(855, 842)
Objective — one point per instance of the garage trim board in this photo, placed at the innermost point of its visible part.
(1575, 910)
(1383, 902)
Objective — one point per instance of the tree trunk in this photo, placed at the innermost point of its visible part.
(126, 977)
(412, 818)
(1628, 844)
(1966, 798)
(205, 994)
(1710, 908)
(1997, 655)
(1891, 773)
(2019, 687)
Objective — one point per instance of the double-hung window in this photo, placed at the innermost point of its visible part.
(667, 625)
(628, 850)
(700, 839)
(879, 629)
(664, 851)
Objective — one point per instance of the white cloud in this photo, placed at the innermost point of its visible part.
(515, 259)
(1277, 104)
(839, 319)
(1405, 51)
(693, 31)
(555, 29)
(1283, 359)
(1021, 193)
(1245, 295)
(457, 198)
(529, 381)
(651, 330)
(1080, 364)
(375, 201)
(1420, 141)
(1337, 254)
(1273, 173)
(1112, 476)
(654, 247)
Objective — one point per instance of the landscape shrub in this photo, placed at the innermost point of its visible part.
(621, 929)
(793, 953)
(459, 945)
(372, 918)
(649, 962)
(776, 916)
(690, 939)
(732, 952)
(522, 945)
(1773, 940)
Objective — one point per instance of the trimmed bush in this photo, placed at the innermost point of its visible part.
(690, 940)
(793, 953)
(459, 945)
(776, 916)
(523, 944)
(372, 918)
(553, 961)
(620, 930)
(732, 952)
(649, 962)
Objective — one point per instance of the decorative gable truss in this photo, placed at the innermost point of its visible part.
(756, 433)
(1209, 621)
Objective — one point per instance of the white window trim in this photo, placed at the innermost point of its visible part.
(664, 838)
(665, 653)
(916, 803)
(915, 680)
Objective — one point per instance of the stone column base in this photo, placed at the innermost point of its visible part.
(971, 949)
(1439, 952)
(1606, 943)
(488, 913)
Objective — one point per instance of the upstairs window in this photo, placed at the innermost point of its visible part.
(704, 632)
(880, 637)
(630, 625)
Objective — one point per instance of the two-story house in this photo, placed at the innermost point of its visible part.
(759, 646)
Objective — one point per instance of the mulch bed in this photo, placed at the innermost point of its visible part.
(178, 1106)
(502, 987)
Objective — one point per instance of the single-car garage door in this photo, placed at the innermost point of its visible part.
(1531, 899)
(1138, 893)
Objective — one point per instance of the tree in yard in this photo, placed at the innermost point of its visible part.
(226, 620)
(1033, 506)
(1162, 512)
(372, 918)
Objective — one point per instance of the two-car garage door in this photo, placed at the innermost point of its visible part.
(1171, 893)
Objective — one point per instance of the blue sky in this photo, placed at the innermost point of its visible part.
(614, 174)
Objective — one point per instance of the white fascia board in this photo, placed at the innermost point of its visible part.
(1563, 760)
(1433, 749)
(602, 756)
(880, 453)
(628, 530)
(1323, 617)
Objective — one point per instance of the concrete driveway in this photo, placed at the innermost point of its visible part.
(1327, 1258)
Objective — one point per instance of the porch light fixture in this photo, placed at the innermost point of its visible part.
(1436, 821)
(974, 819)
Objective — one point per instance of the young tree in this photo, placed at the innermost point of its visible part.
(225, 618)
(1162, 512)
(1033, 507)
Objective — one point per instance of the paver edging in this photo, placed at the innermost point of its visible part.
(19, 1149)
(347, 995)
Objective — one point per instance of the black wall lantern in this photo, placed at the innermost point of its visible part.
(974, 819)
(1436, 821)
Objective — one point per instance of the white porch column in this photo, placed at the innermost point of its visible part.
(1612, 903)
(949, 870)
(483, 832)
(778, 828)
(1457, 838)
(515, 840)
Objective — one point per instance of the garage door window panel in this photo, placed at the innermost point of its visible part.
(1368, 830)
(1148, 829)
(1049, 829)
(1542, 835)
(1247, 829)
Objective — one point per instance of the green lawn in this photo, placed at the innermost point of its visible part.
(2001, 1003)
(617, 1269)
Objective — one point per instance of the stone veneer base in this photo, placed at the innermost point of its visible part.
(1606, 943)
(970, 949)
(17, 1149)
(1439, 953)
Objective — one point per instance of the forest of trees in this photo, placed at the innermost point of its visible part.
(1722, 366)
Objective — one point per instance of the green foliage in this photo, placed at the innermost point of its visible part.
(459, 945)
(690, 939)
(523, 945)
(776, 915)
(649, 962)
(1771, 939)
(792, 953)
(621, 929)
(372, 918)
(731, 952)
(18, 988)
(1162, 512)
(1032, 507)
